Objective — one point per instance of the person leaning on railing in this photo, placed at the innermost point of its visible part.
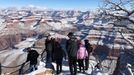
(32, 57)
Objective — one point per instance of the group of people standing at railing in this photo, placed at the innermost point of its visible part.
(76, 50)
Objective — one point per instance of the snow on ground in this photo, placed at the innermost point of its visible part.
(2, 26)
(56, 35)
(59, 25)
(94, 42)
(127, 36)
(101, 42)
(55, 25)
(91, 71)
(95, 32)
(129, 47)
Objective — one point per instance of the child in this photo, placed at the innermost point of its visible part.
(81, 55)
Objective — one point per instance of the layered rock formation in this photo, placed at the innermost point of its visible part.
(108, 40)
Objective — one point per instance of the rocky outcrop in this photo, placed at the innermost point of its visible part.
(8, 41)
(12, 58)
(125, 64)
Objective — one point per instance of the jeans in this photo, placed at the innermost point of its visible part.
(73, 65)
(81, 64)
(86, 63)
(58, 65)
(49, 57)
(32, 67)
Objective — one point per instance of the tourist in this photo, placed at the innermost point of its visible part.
(58, 55)
(89, 50)
(32, 57)
(72, 47)
(81, 55)
(48, 45)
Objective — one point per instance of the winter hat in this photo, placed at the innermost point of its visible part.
(70, 34)
(86, 40)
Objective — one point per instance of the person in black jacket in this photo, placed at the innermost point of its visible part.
(32, 57)
(89, 50)
(53, 44)
(48, 45)
(58, 55)
(72, 47)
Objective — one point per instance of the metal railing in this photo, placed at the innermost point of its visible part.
(20, 71)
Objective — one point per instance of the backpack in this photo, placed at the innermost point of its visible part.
(82, 53)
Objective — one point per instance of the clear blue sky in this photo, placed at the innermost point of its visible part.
(55, 4)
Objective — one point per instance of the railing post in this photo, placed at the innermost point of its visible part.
(21, 69)
(0, 69)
